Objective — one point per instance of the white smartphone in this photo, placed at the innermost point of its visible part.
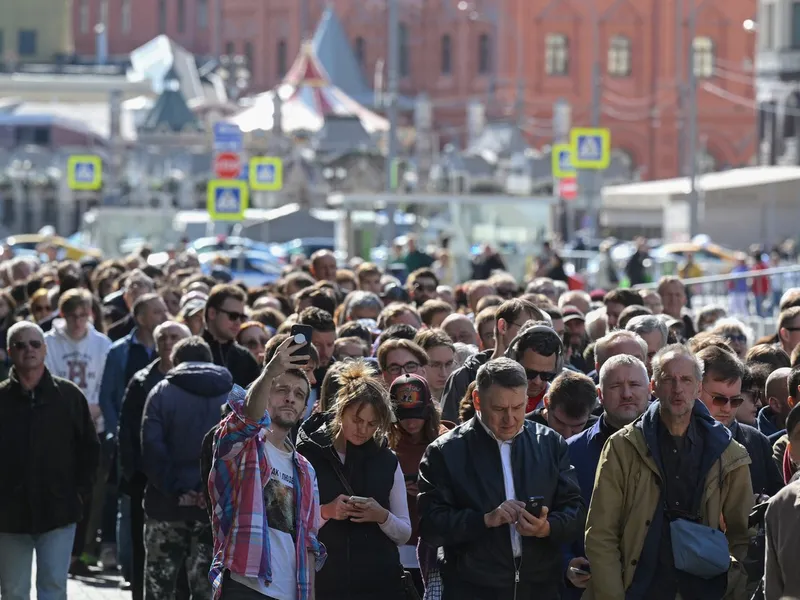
(358, 499)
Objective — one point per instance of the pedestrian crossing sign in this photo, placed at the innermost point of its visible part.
(227, 199)
(591, 148)
(84, 172)
(562, 161)
(265, 173)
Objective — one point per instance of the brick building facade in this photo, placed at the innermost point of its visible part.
(449, 49)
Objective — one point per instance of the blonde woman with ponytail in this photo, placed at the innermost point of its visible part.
(364, 508)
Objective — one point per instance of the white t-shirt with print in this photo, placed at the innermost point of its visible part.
(279, 504)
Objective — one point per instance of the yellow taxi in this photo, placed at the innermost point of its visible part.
(34, 242)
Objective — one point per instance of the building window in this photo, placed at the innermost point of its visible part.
(404, 62)
(795, 24)
(26, 43)
(556, 54)
(484, 54)
(249, 56)
(283, 58)
(83, 16)
(765, 32)
(447, 58)
(181, 16)
(619, 56)
(230, 49)
(361, 51)
(703, 57)
(125, 16)
(103, 12)
(162, 16)
(202, 14)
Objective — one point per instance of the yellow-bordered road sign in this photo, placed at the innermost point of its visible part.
(591, 147)
(227, 199)
(85, 172)
(265, 173)
(561, 155)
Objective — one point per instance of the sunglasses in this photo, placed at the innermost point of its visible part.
(35, 344)
(543, 375)
(233, 315)
(720, 401)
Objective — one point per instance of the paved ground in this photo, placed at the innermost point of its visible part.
(101, 586)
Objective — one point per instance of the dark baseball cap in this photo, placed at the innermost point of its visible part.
(410, 396)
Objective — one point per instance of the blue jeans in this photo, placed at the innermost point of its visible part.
(53, 552)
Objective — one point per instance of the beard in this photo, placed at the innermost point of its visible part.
(283, 422)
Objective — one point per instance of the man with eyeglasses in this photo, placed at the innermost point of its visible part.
(721, 392)
(421, 285)
(673, 463)
(225, 314)
(789, 329)
(510, 317)
(50, 455)
(397, 357)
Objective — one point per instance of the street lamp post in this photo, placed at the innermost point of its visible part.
(694, 197)
(390, 98)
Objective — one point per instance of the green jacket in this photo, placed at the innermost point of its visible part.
(626, 496)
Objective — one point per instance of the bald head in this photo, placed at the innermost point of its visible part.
(459, 328)
(777, 391)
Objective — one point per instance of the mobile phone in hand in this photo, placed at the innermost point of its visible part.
(358, 499)
(586, 571)
(534, 506)
(301, 334)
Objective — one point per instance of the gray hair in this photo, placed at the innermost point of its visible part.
(21, 326)
(463, 352)
(191, 349)
(620, 360)
(360, 300)
(504, 372)
(596, 319)
(671, 352)
(137, 275)
(601, 347)
(162, 328)
(647, 324)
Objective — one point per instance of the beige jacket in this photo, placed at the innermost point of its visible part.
(626, 495)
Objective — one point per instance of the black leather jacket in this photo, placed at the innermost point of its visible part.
(461, 479)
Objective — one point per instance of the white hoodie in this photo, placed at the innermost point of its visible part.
(80, 361)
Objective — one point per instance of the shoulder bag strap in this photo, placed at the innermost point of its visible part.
(338, 470)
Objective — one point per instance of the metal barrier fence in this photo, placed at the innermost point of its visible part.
(733, 292)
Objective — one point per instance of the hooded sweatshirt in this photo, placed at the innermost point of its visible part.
(179, 412)
(80, 361)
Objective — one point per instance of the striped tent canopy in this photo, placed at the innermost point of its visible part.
(308, 97)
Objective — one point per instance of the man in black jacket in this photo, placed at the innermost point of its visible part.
(224, 317)
(474, 483)
(50, 455)
(511, 316)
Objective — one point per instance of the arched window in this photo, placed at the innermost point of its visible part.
(703, 56)
(361, 51)
(556, 54)
(484, 54)
(447, 56)
(619, 56)
(282, 56)
(404, 63)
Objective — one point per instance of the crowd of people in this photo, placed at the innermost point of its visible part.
(345, 435)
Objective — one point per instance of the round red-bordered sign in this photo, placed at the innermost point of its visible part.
(227, 165)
